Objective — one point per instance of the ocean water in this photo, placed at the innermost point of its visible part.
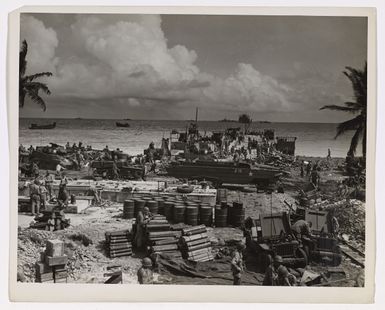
(313, 139)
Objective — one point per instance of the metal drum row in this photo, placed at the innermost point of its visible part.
(191, 212)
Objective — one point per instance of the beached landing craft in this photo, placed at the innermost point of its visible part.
(225, 172)
(47, 126)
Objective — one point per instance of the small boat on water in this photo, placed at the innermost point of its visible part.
(46, 126)
(118, 124)
(225, 172)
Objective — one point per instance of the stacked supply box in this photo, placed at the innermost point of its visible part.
(52, 265)
(160, 237)
(195, 244)
(118, 243)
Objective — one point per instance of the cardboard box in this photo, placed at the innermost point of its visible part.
(54, 248)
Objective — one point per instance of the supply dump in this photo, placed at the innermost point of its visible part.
(230, 207)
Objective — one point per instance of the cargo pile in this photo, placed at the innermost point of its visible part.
(51, 221)
(195, 244)
(52, 265)
(118, 243)
(160, 237)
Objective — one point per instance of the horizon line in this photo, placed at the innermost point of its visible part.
(181, 120)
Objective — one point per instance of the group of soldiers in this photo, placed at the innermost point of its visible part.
(276, 273)
(312, 172)
(41, 191)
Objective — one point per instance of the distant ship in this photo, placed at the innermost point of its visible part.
(46, 126)
(126, 125)
(225, 120)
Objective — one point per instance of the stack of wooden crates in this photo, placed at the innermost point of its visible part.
(52, 265)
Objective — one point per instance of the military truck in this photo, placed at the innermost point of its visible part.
(271, 235)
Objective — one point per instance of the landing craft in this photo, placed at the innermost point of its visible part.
(225, 172)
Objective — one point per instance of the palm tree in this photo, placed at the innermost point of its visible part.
(246, 120)
(358, 78)
(27, 84)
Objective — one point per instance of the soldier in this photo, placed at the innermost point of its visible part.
(302, 228)
(63, 196)
(277, 274)
(35, 170)
(48, 179)
(142, 218)
(115, 171)
(43, 195)
(237, 265)
(315, 177)
(34, 190)
(308, 168)
(302, 169)
(145, 275)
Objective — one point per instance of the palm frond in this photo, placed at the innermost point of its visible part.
(36, 86)
(352, 124)
(37, 99)
(340, 108)
(32, 77)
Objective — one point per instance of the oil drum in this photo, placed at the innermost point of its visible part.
(179, 213)
(205, 216)
(236, 214)
(153, 206)
(220, 216)
(168, 208)
(128, 209)
(138, 206)
(192, 215)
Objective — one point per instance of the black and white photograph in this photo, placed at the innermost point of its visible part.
(192, 149)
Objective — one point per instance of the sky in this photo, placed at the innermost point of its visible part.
(275, 68)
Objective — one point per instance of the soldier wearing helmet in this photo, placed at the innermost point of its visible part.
(271, 274)
(34, 190)
(145, 275)
(285, 278)
(142, 219)
(237, 264)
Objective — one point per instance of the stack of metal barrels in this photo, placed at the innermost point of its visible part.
(195, 244)
(236, 214)
(118, 243)
(160, 239)
(176, 209)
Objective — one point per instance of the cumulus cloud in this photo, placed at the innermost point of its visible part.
(130, 62)
(42, 42)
